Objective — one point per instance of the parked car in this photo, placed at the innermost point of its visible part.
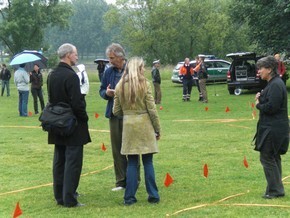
(217, 70)
(243, 74)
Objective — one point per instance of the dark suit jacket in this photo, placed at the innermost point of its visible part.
(65, 87)
(273, 121)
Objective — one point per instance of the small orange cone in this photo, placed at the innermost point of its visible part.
(161, 108)
(168, 180)
(30, 113)
(103, 147)
(17, 211)
(253, 105)
(246, 162)
(227, 109)
(206, 108)
(96, 115)
(205, 171)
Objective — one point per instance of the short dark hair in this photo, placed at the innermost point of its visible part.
(22, 65)
(268, 62)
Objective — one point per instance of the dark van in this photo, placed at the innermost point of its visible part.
(243, 74)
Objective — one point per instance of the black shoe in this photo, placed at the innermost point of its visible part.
(273, 196)
(60, 203)
(153, 200)
(129, 203)
(76, 195)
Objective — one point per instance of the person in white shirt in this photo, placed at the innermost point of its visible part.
(84, 80)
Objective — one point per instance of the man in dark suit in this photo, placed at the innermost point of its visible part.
(63, 86)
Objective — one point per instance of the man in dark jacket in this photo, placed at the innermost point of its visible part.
(5, 77)
(63, 86)
(112, 75)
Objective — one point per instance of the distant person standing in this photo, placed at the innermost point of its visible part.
(202, 77)
(195, 77)
(5, 77)
(101, 69)
(186, 75)
(36, 81)
(281, 68)
(84, 79)
(21, 80)
(156, 79)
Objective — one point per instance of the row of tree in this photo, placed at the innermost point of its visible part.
(155, 29)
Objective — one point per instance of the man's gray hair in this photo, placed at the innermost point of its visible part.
(64, 49)
(117, 49)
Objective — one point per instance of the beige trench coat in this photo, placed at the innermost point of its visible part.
(139, 124)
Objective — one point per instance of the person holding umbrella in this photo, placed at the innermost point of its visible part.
(21, 80)
(36, 81)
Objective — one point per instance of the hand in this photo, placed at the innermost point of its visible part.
(110, 92)
(257, 98)
(157, 134)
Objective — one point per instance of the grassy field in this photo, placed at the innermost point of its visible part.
(193, 134)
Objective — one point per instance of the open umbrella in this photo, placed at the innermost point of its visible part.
(23, 59)
(27, 55)
(98, 60)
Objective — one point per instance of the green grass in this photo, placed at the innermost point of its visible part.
(190, 138)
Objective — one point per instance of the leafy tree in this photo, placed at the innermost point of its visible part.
(172, 30)
(85, 30)
(268, 21)
(22, 22)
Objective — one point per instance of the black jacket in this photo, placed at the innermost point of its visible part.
(36, 80)
(65, 87)
(273, 120)
(5, 74)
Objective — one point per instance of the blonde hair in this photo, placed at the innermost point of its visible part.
(134, 76)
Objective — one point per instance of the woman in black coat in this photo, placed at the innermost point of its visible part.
(272, 136)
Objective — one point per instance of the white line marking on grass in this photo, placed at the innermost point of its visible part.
(50, 184)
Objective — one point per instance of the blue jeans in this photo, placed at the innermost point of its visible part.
(5, 83)
(132, 179)
(22, 104)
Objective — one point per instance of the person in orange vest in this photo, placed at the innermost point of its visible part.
(186, 75)
(281, 68)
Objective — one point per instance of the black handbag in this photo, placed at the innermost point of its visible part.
(59, 118)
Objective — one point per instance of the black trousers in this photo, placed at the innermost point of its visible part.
(67, 167)
(271, 163)
(37, 93)
(187, 87)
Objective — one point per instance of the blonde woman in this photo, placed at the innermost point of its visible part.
(141, 129)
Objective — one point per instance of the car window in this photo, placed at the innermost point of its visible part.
(209, 64)
(177, 67)
(220, 64)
